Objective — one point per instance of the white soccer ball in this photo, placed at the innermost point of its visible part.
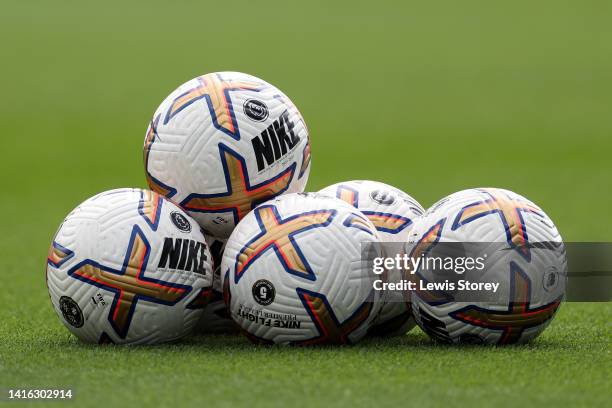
(216, 318)
(519, 248)
(224, 142)
(393, 213)
(128, 266)
(295, 275)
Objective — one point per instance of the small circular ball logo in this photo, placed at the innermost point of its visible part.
(256, 110)
(71, 311)
(550, 279)
(180, 221)
(382, 197)
(263, 292)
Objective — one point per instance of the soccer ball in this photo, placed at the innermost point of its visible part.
(294, 273)
(222, 143)
(129, 266)
(216, 318)
(393, 212)
(518, 247)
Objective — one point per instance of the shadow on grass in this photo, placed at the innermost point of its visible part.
(204, 344)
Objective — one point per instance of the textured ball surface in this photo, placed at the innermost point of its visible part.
(393, 213)
(129, 266)
(523, 252)
(224, 142)
(294, 274)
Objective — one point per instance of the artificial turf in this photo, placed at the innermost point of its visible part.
(431, 97)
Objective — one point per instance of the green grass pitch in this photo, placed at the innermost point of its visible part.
(432, 97)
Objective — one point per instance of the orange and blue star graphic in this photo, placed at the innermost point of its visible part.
(241, 196)
(384, 222)
(150, 207)
(216, 91)
(519, 316)
(278, 234)
(510, 212)
(331, 331)
(357, 221)
(58, 255)
(129, 284)
(421, 249)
